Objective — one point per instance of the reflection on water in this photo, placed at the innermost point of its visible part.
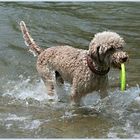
(24, 108)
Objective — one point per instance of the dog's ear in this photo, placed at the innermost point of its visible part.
(93, 49)
(99, 53)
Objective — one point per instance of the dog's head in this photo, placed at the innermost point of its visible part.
(106, 48)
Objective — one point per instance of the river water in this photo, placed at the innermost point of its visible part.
(24, 108)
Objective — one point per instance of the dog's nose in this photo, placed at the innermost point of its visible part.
(124, 59)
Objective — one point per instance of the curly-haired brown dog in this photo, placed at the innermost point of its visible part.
(86, 70)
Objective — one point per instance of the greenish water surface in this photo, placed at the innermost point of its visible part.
(24, 109)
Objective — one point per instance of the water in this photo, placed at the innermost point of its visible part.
(24, 108)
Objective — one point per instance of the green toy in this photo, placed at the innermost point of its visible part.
(123, 77)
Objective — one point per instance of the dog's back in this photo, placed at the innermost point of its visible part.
(69, 58)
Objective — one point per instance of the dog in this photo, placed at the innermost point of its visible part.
(85, 70)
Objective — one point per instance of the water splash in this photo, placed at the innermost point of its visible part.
(25, 89)
(28, 89)
(124, 109)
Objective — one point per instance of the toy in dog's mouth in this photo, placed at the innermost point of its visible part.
(123, 77)
(119, 64)
(122, 74)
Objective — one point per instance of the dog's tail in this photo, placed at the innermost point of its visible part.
(33, 47)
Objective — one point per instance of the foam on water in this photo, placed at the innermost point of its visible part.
(11, 117)
(11, 120)
(124, 109)
(24, 89)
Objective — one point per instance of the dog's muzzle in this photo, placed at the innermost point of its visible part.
(118, 58)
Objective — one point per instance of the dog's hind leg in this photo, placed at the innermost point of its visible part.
(48, 76)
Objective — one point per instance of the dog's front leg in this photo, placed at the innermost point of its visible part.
(75, 99)
(75, 95)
